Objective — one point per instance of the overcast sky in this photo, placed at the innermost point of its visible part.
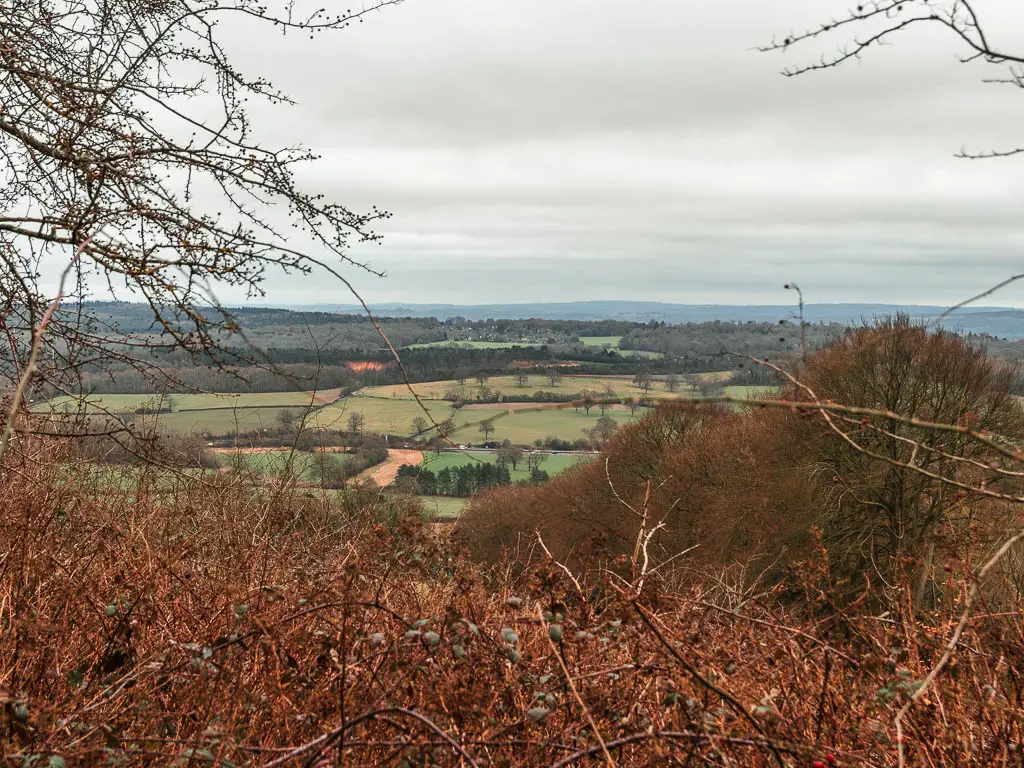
(546, 150)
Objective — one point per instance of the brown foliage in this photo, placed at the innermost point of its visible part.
(753, 487)
(578, 512)
(228, 625)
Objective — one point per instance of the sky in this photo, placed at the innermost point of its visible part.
(561, 150)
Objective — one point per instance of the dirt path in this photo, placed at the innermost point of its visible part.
(385, 474)
(327, 396)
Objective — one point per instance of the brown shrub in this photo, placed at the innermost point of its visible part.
(581, 511)
(878, 517)
(753, 487)
(224, 624)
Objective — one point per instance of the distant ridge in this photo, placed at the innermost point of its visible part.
(1006, 322)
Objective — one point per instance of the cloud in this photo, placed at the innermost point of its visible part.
(575, 150)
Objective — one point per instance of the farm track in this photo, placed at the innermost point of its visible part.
(385, 473)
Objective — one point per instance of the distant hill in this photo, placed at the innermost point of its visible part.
(1002, 322)
(1005, 322)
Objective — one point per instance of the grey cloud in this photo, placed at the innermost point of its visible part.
(595, 150)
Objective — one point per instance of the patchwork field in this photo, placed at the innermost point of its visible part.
(189, 402)
(568, 385)
(392, 409)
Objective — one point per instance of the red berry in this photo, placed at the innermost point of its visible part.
(818, 764)
(830, 758)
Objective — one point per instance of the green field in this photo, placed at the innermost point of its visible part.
(443, 507)
(126, 477)
(750, 392)
(122, 403)
(553, 463)
(221, 422)
(613, 342)
(601, 341)
(382, 415)
(218, 414)
(304, 465)
(523, 427)
(568, 385)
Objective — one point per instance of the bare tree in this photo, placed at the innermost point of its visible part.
(285, 419)
(671, 382)
(128, 155)
(643, 381)
(356, 422)
(554, 377)
(605, 428)
(419, 425)
(588, 399)
(534, 459)
(444, 429)
(869, 25)
(522, 379)
(510, 455)
(486, 428)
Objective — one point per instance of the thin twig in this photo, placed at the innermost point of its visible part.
(735, 703)
(954, 640)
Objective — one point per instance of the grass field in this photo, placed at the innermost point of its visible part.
(613, 342)
(553, 464)
(382, 415)
(126, 477)
(525, 426)
(304, 465)
(601, 341)
(443, 507)
(568, 385)
(198, 413)
(220, 422)
(122, 403)
(750, 392)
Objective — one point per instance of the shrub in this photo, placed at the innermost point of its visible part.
(754, 487)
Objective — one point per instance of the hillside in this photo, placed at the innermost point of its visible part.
(1005, 322)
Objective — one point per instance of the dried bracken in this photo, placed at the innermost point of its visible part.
(210, 624)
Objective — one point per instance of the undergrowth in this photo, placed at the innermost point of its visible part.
(218, 625)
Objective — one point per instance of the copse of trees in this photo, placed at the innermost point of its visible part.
(468, 479)
(460, 481)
